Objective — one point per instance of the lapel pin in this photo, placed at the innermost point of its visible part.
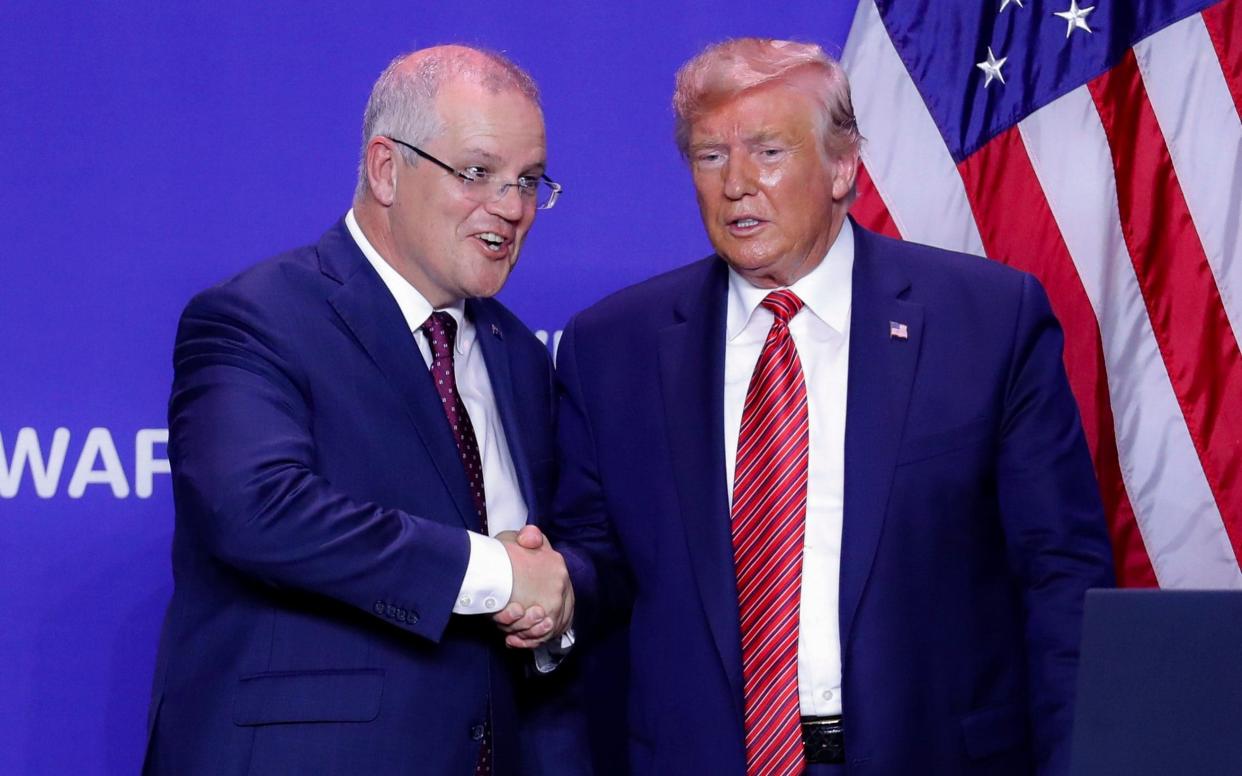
(898, 330)
(496, 331)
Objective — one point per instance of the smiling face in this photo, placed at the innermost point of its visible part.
(771, 200)
(445, 244)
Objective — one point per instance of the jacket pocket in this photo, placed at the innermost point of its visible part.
(308, 696)
(995, 729)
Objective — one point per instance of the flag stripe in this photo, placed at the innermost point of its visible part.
(1201, 126)
(1224, 25)
(1182, 300)
(1018, 229)
(910, 162)
(869, 209)
(1173, 505)
(1138, 173)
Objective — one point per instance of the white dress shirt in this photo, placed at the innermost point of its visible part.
(489, 574)
(821, 332)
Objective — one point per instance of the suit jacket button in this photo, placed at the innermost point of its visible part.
(379, 607)
(400, 615)
(411, 617)
(476, 732)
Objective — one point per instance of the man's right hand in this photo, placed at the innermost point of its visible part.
(542, 603)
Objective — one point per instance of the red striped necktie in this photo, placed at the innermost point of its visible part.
(769, 521)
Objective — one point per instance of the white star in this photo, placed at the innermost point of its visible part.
(992, 68)
(1005, 4)
(1075, 17)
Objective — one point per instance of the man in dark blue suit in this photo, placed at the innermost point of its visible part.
(358, 434)
(837, 481)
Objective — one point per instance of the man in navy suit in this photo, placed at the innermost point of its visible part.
(358, 434)
(838, 482)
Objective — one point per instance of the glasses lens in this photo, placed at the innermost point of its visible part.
(545, 195)
(478, 190)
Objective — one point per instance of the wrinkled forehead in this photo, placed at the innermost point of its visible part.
(770, 111)
(500, 123)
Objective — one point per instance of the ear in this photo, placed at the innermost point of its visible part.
(381, 165)
(844, 169)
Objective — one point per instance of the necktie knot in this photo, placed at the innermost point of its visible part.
(441, 331)
(784, 304)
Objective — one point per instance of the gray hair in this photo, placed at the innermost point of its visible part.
(724, 70)
(403, 100)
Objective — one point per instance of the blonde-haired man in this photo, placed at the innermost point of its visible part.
(837, 481)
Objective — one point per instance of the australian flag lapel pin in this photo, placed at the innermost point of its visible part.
(496, 331)
(898, 331)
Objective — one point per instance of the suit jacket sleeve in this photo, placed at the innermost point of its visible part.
(580, 527)
(246, 484)
(1053, 520)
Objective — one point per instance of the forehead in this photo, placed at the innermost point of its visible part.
(772, 110)
(504, 124)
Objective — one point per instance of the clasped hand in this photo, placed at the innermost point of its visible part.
(542, 603)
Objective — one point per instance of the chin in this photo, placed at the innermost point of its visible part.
(748, 264)
(488, 286)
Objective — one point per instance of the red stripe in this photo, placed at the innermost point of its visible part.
(869, 209)
(769, 484)
(1183, 303)
(1024, 234)
(770, 417)
(1224, 26)
(768, 512)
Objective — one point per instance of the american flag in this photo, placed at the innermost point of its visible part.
(1097, 145)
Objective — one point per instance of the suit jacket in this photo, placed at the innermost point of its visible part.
(320, 541)
(972, 521)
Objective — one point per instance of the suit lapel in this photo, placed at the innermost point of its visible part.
(691, 356)
(881, 373)
(490, 337)
(367, 308)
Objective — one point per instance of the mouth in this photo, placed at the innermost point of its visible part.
(493, 242)
(744, 225)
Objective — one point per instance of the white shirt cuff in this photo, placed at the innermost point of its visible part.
(549, 655)
(489, 577)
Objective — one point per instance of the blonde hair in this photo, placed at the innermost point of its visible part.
(724, 70)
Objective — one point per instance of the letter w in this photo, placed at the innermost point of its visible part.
(46, 476)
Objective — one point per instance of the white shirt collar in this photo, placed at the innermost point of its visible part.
(414, 306)
(825, 291)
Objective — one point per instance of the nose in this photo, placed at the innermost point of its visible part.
(739, 176)
(509, 205)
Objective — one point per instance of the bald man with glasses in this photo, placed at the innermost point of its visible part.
(359, 436)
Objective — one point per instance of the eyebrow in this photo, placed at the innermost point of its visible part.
(761, 136)
(764, 136)
(492, 158)
(487, 155)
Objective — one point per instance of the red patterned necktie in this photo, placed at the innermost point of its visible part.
(441, 331)
(769, 521)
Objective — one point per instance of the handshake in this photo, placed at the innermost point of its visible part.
(542, 603)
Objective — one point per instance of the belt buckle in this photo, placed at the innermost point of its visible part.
(823, 740)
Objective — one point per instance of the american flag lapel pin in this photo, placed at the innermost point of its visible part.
(496, 331)
(898, 330)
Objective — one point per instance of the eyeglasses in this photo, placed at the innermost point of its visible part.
(479, 186)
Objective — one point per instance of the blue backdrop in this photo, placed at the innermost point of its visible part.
(148, 150)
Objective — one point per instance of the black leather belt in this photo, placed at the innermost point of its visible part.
(824, 740)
